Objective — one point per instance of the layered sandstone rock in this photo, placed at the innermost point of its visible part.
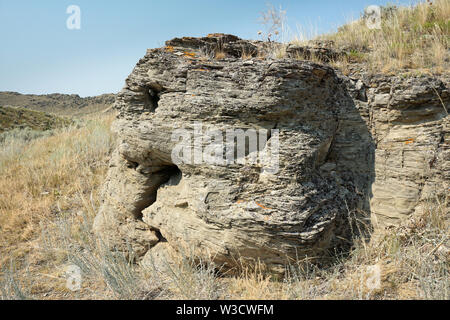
(347, 147)
(410, 125)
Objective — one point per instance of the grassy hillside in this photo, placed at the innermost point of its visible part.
(59, 104)
(19, 118)
(411, 37)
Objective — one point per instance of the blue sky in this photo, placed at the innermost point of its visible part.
(40, 55)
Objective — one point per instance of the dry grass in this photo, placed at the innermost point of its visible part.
(410, 38)
(19, 118)
(220, 55)
(309, 57)
(45, 178)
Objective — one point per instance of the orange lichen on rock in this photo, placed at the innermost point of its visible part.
(261, 206)
(189, 54)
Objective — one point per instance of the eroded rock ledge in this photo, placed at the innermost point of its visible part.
(350, 147)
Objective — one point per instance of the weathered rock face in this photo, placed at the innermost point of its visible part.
(325, 164)
(410, 126)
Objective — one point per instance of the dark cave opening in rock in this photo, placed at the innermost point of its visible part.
(151, 99)
(171, 175)
(174, 175)
(167, 175)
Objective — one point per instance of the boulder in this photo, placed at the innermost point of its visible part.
(314, 141)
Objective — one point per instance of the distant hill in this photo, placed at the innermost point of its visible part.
(19, 118)
(59, 104)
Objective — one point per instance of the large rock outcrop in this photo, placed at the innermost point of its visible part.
(336, 136)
